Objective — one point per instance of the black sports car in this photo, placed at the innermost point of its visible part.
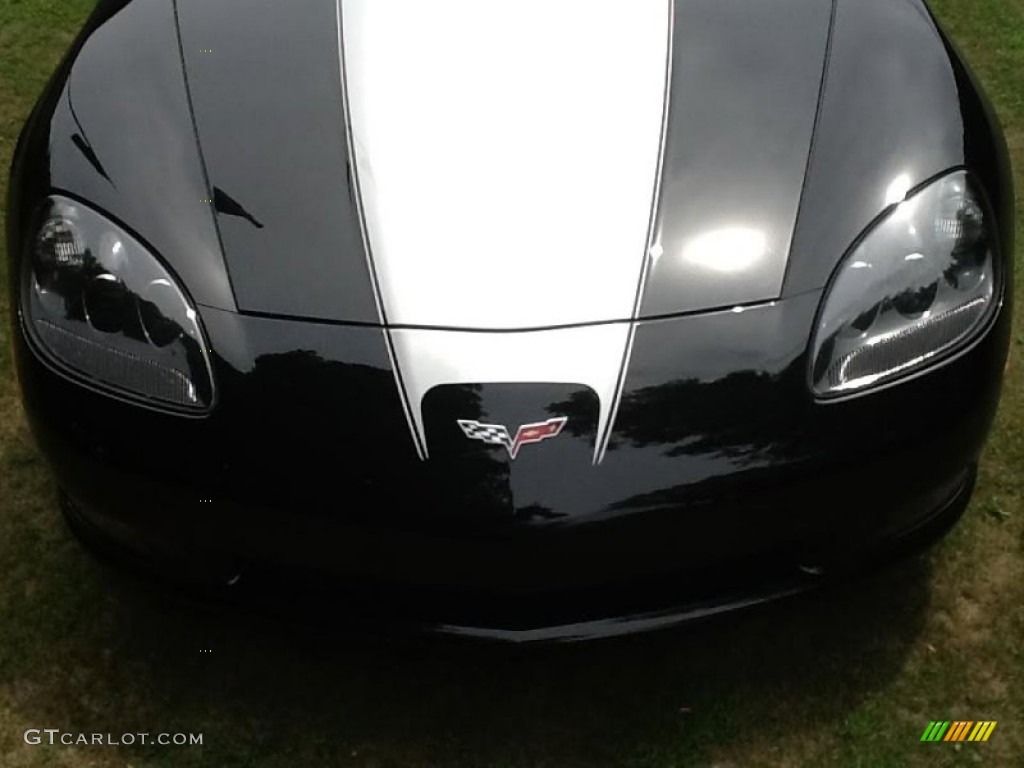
(534, 320)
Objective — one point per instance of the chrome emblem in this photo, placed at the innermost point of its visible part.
(497, 434)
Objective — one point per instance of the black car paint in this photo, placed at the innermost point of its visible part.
(283, 120)
(745, 476)
(736, 163)
(142, 167)
(720, 458)
(898, 100)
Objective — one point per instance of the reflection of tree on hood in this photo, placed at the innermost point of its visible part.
(746, 416)
(342, 426)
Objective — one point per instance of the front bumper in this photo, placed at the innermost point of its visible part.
(725, 483)
(551, 617)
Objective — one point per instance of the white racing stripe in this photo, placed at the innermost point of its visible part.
(508, 161)
(507, 154)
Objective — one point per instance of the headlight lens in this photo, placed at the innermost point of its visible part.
(104, 308)
(920, 286)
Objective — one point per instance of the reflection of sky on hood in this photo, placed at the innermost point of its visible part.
(729, 250)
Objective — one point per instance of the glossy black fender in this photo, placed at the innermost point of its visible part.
(115, 128)
(897, 101)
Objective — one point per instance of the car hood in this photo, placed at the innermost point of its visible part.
(457, 165)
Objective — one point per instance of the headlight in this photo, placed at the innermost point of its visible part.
(104, 309)
(919, 287)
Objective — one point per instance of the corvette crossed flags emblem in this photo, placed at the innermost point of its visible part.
(498, 434)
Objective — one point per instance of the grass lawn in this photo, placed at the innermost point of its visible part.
(849, 677)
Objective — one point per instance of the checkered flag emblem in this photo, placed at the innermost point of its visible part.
(498, 434)
(492, 434)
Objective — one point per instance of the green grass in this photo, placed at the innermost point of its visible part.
(847, 678)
